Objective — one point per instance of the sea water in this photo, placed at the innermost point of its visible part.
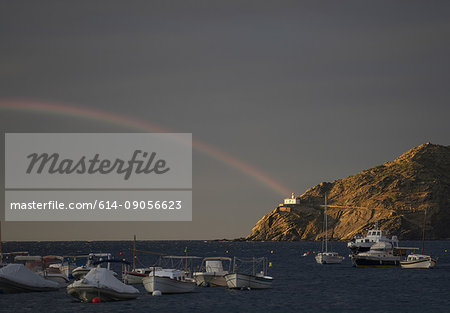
(300, 284)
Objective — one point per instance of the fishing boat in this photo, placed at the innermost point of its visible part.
(101, 283)
(213, 273)
(419, 260)
(136, 275)
(172, 277)
(327, 257)
(168, 281)
(81, 271)
(244, 278)
(363, 244)
(16, 278)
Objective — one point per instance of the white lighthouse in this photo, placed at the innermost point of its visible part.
(292, 200)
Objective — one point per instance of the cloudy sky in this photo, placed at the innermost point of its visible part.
(302, 91)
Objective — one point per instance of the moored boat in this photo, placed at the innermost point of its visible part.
(80, 271)
(327, 257)
(363, 244)
(257, 281)
(101, 283)
(213, 273)
(168, 281)
(49, 267)
(136, 276)
(247, 277)
(16, 278)
(418, 261)
(381, 254)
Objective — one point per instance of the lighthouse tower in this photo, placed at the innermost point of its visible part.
(292, 200)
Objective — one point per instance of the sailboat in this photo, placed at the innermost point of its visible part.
(419, 260)
(327, 257)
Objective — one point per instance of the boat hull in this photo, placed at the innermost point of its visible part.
(206, 279)
(131, 278)
(424, 264)
(80, 272)
(375, 262)
(167, 285)
(10, 286)
(61, 279)
(87, 293)
(239, 281)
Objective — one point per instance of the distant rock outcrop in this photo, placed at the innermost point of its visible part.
(396, 194)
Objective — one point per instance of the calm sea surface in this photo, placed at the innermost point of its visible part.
(300, 284)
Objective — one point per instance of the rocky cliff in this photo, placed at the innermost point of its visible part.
(396, 193)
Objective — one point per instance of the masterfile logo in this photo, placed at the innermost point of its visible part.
(54, 164)
(124, 161)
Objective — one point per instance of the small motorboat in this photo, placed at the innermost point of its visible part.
(80, 271)
(16, 278)
(101, 283)
(213, 273)
(242, 278)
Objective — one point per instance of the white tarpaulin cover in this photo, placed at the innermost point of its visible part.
(104, 278)
(20, 274)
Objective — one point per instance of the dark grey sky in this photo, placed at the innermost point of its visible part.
(308, 91)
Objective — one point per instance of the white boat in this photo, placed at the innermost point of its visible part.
(329, 258)
(101, 283)
(168, 281)
(362, 244)
(81, 271)
(247, 277)
(136, 276)
(17, 278)
(49, 267)
(242, 281)
(381, 254)
(213, 273)
(418, 261)
(326, 257)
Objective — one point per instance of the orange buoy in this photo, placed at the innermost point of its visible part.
(96, 300)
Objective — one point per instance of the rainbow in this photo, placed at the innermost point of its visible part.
(58, 109)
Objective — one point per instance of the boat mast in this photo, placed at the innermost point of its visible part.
(1, 248)
(326, 225)
(423, 230)
(134, 254)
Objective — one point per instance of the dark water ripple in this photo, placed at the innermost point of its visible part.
(300, 284)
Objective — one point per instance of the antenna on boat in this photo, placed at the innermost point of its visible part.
(326, 225)
(423, 230)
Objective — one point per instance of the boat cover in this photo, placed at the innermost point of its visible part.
(104, 278)
(20, 274)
